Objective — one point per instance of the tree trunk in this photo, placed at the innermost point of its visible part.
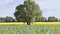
(28, 23)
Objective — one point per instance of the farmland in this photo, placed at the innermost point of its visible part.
(40, 23)
(30, 29)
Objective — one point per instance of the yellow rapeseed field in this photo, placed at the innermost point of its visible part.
(18, 23)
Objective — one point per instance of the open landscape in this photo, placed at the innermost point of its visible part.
(29, 17)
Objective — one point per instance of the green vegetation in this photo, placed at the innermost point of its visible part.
(28, 12)
(29, 29)
(7, 19)
(41, 19)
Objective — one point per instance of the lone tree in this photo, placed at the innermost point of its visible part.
(27, 12)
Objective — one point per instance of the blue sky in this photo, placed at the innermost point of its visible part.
(48, 7)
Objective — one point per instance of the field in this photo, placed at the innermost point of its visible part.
(29, 29)
(18, 23)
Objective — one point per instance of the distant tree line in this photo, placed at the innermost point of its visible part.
(7, 19)
(41, 19)
(49, 19)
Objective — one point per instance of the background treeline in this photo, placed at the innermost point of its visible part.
(41, 19)
(7, 19)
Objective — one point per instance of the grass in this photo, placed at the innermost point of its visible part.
(30, 29)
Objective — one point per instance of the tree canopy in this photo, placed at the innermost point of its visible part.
(27, 11)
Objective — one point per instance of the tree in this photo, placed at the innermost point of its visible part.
(52, 19)
(59, 20)
(41, 19)
(9, 19)
(27, 12)
(2, 19)
(56, 20)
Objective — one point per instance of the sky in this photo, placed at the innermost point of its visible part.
(48, 7)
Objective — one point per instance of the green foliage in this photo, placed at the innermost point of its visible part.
(2, 19)
(7, 19)
(40, 19)
(27, 12)
(59, 20)
(36, 19)
(52, 19)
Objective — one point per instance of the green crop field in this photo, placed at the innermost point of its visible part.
(29, 29)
